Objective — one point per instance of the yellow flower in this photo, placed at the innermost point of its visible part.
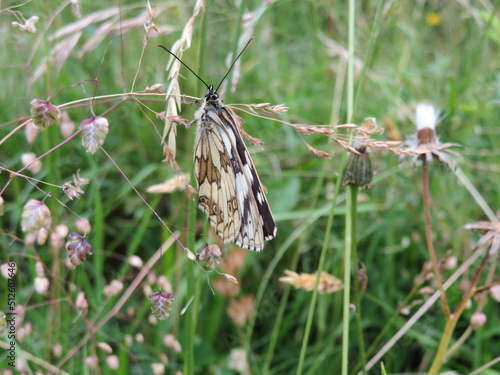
(433, 19)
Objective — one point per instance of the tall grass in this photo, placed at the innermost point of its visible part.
(96, 317)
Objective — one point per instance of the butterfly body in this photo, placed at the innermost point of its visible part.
(229, 188)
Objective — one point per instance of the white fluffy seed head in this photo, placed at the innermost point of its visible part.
(427, 116)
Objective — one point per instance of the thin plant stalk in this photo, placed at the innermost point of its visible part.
(428, 235)
(351, 194)
(348, 231)
(452, 320)
(357, 291)
(489, 279)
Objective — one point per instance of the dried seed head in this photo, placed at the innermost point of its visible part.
(113, 362)
(31, 131)
(318, 153)
(41, 235)
(425, 145)
(190, 254)
(230, 278)
(81, 303)
(139, 338)
(135, 261)
(58, 235)
(164, 284)
(478, 319)
(105, 347)
(495, 292)
(66, 126)
(75, 8)
(170, 342)
(210, 254)
(44, 113)
(29, 25)
(178, 182)
(327, 283)
(8, 270)
(92, 362)
(78, 249)
(113, 289)
(94, 131)
(83, 225)
(157, 368)
(36, 215)
(41, 285)
(161, 304)
(29, 160)
(39, 269)
(72, 191)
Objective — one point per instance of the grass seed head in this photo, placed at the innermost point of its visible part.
(161, 304)
(44, 113)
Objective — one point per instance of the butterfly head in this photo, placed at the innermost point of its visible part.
(211, 95)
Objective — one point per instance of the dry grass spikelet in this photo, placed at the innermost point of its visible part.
(307, 281)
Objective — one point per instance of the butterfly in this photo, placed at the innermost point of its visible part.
(229, 188)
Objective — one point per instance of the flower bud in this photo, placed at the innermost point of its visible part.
(358, 170)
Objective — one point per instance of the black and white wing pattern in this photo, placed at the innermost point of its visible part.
(229, 188)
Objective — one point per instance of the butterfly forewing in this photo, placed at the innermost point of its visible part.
(230, 191)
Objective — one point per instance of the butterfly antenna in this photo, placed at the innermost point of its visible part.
(234, 62)
(183, 63)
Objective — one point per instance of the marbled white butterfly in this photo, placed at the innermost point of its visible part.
(229, 188)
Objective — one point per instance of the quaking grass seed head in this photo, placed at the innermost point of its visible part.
(78, 248)
(44, 113)
(161, 304)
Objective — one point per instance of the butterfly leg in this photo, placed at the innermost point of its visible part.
(189, 102)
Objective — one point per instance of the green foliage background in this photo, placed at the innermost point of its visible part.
(401, 59)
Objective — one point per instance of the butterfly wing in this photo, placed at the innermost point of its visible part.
(220, 147)
(216, 182)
